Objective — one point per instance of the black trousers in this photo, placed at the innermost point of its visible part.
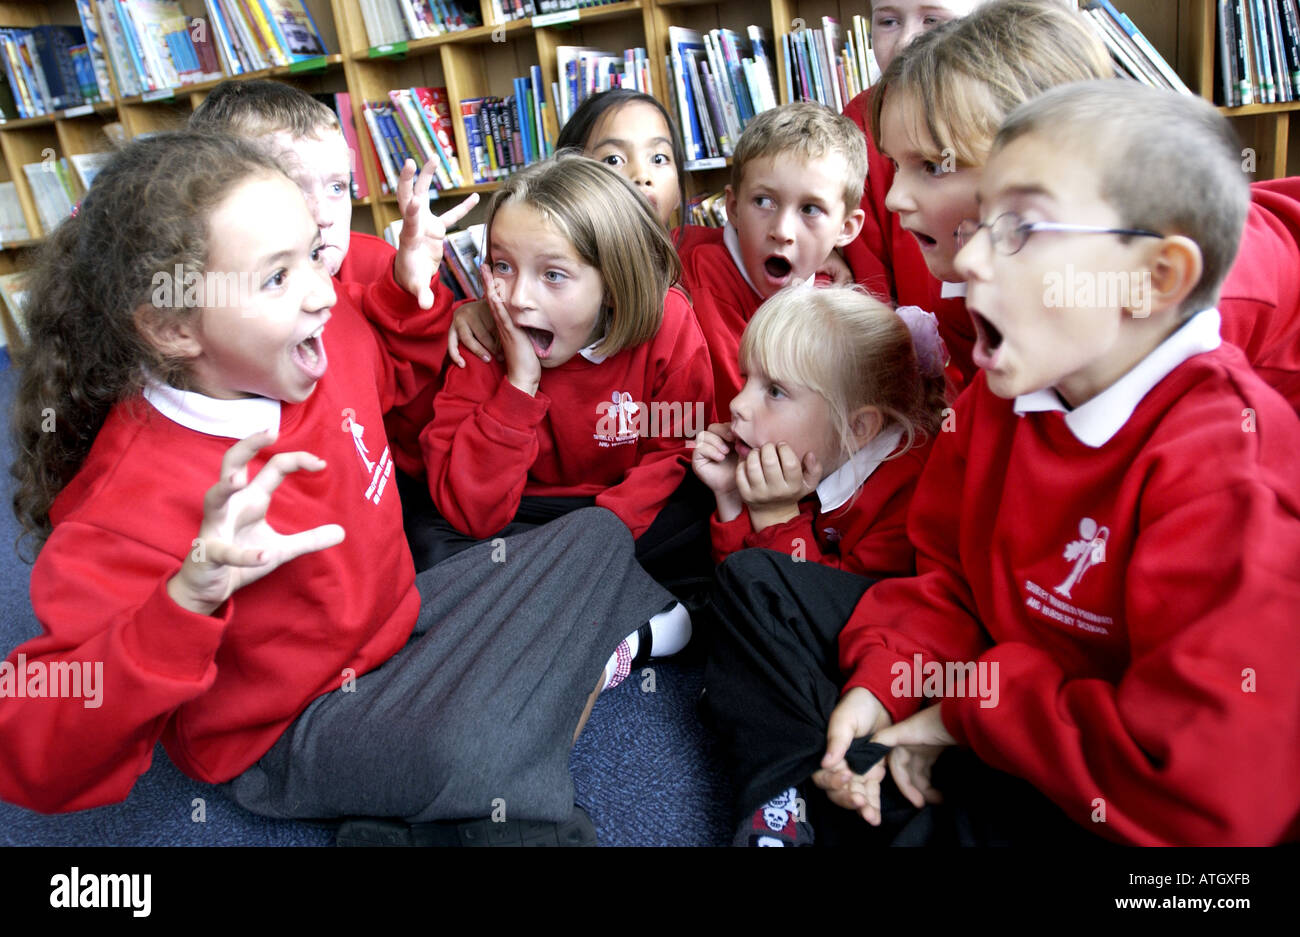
(675, 550)
(771, 682)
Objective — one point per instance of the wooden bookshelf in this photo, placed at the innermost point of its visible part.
(1184, 32)
(483, 60)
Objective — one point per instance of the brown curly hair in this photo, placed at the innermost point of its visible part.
(147, 212)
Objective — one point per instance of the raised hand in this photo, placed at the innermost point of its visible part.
(236, 545)
(419, 248)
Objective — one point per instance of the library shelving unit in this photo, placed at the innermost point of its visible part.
(484, 60)
(1184, 32)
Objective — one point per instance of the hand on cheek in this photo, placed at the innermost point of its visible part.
(523, 369)
(773, 480)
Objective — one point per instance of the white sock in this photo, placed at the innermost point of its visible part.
(669, 632)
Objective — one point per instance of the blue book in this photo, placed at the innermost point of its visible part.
(132, 44)
(789, 73)
(682, 42)
(539, 97)
(522, 97)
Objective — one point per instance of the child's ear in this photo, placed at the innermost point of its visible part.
(731, 202)
(171, 333)
(1174, 269)
(865, 424)
(851, 227)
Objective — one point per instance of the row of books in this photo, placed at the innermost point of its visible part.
(151, 44)
(13, 224)
(585, 71)
(820, 67)
(507, 10)
(1133, 54)
(389, 21)
(52, 68)
(414, 123)
(52, 189)
(462, 259)
(708, 210)
(13, 291)
(718, 88)
(256, 34)
(506, 134)
(1259, 52)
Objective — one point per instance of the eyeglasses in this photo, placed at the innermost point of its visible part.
(1009, 231)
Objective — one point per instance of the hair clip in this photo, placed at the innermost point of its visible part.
(931, 352)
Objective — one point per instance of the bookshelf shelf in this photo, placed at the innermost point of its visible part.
(1254, 110)
(482, 60)
(1185, 32)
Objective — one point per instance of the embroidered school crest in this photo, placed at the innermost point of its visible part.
(377, 471)
(620, 420)
(1086, 552)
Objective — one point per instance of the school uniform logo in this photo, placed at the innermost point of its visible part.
(1083, 555)
(620, 420)
(1086, 552)
(377, 470)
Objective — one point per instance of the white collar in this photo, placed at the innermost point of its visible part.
(590, 351)
(233, 418)
(950, 290)
(837, 487)
(1096, 422)
(731, 238)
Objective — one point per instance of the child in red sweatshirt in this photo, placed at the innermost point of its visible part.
(796, 183)
(219, 538)
(1109, 542)
(818, 463)
(606, 376)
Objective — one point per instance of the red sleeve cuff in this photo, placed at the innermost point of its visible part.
(514, 409)
(728, 536)
(167, 639)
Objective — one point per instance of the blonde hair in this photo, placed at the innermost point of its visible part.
(1124, 127)
(808, 131)
(613, 229)
(852, 350)
(258, 107)
(966, 75)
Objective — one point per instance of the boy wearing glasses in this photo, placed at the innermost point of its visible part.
(1100, 641)
(1114, 524)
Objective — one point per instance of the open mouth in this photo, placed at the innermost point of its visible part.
(310, 354)
(541, 339)
(988, 339)
(777, 267)
(924, 240)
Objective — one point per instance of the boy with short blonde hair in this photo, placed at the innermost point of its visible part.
(797, 179)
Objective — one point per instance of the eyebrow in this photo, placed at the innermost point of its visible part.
(272, 259)
(615, 141)
(1025, 191)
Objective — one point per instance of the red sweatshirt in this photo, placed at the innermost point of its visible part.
(217, 690)
(724, 303)
(490, 443)
(369, 260)
(867, 536)
(1260, 299)
(886, 259)
(1132, 570)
